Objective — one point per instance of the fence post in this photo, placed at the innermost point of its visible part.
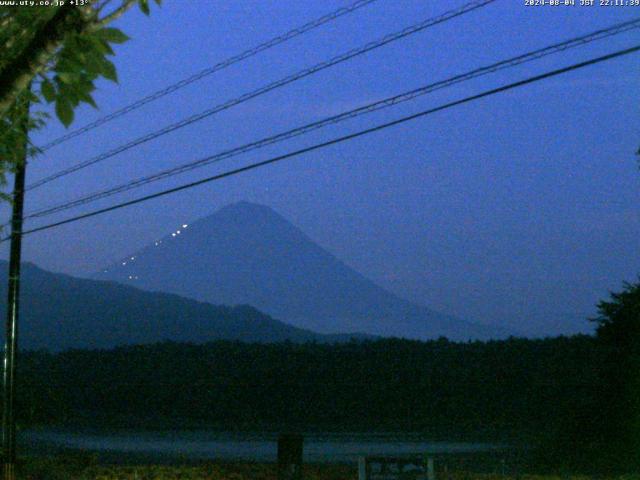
(290, 456)
(362, 468)
(431, 474)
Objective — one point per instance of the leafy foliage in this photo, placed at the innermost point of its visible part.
(81, 61)
(619, 333)
(61, 70)
(619, 319)
(604, 429)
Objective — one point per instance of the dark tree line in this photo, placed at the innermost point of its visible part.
(574, 398)
(488, 390)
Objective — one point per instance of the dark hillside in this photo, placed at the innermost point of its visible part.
(60, 312)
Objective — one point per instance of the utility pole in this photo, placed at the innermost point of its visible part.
(20, 120)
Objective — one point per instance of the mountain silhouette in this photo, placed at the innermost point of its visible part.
(59, 312)
(248, 254)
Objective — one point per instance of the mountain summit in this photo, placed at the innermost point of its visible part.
(248, 254)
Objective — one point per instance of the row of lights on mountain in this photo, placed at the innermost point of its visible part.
(174, 234)
(158, 242)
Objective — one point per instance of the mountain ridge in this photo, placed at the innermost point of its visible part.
(59, 312)
(248, 253)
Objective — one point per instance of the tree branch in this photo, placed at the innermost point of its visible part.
(114, 15)
(15, 77)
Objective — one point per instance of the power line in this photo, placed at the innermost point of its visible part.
(337, 140)
(211, 70)
(269, 87)
(372, 107)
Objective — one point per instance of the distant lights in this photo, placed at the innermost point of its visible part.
(174, 234)
(124, 263)
(133, 258)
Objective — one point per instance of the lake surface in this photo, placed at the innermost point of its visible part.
(206, 445)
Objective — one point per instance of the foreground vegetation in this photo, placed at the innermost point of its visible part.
(50, 469)
(44, 469)
(522, 391)
(573, 399)
(465, 391)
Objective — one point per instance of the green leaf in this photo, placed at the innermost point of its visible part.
(69, 94)
(64, 111)
(64, 65)
(84, 84)
(144, 6)
(67, 77)
(87, 98)
(109, 70)
(93, 65)
(98, 45)
(112, 35)
(107, 48)
(32, 97)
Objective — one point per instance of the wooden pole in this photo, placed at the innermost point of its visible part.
(11, 335)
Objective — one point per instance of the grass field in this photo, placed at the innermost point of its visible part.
(56, 470)
(47, 469)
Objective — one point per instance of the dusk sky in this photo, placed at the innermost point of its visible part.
(520, 209)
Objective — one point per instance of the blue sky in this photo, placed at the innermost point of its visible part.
(520, 209)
